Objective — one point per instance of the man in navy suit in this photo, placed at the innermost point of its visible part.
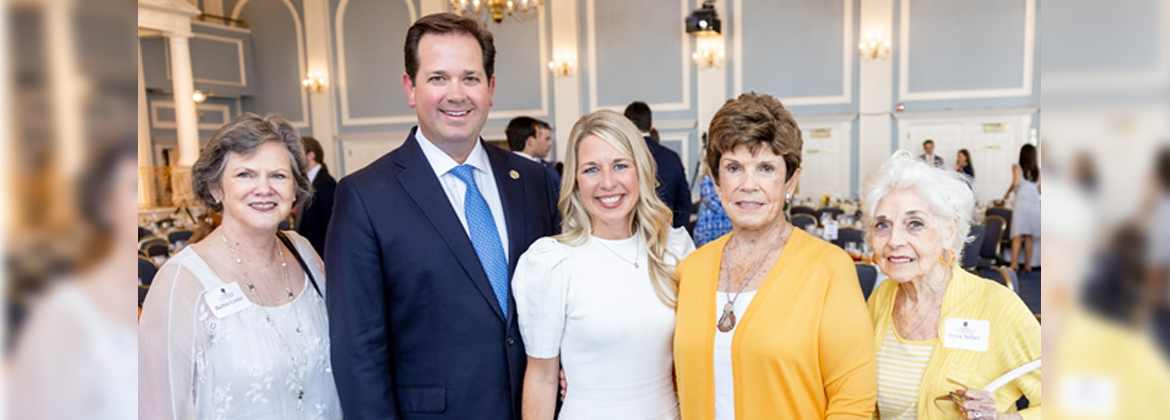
(312, 220)
(422, 247)
(672, 178)
(532, 139)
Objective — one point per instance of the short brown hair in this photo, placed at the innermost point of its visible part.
(754, 121)
(313, 146)
(244, 135)
(448, 23)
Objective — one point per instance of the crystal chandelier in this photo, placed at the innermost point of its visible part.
(520, 10)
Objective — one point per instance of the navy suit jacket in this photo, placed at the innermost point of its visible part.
(554, 179)
(672, 182)
(415, 329)
(314, 218)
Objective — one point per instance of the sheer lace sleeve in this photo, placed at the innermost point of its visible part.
(167, 345)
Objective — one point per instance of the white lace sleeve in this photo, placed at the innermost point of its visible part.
(167, 345)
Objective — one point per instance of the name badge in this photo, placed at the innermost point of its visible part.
(1088, 395)
(967, 334)
(226, 300)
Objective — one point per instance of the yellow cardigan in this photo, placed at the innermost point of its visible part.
(800, 351)
(1014, 341)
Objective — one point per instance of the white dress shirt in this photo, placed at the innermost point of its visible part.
(525, 155)
(313, 173)
(456, 189)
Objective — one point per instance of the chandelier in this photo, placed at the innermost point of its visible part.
(520, 10)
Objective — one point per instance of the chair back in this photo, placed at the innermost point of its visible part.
(804, 221)
(971, 248)
(847, 235)
(992, 232)
(1013, 278)
(803, 210)
(867, 276)
(999, 275)
(180, 235)
(142, 290)
(831, 211)
(165, 224)
(146, 242)
(143, 232)
(1005, 214)
(146, 271)
(158, 249)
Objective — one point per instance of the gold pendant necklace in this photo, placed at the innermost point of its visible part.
(637, 252)
(727, 319)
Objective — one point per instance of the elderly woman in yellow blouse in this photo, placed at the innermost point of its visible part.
(940, 331)
(771, 323)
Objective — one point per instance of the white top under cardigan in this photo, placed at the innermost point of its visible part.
(589, 305)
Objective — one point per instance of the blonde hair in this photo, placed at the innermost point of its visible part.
(651, 217)
(947, 193)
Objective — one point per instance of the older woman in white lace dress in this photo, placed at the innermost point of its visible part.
(235, 326)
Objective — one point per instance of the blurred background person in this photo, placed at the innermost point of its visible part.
(963, 163)
(529, 137)
(768, 277)
(1026, 210)
(916, 220)
(929, 157)
(1100, 367)
(235, 326)
(79, 350)
(618, 250)
(1157, 282)
(312, 216)
(672, 178)
(712, 222)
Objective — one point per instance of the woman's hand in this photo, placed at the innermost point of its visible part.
(980, 405)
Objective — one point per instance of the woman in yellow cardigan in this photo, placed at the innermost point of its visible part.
(791, 341)
(940, 331)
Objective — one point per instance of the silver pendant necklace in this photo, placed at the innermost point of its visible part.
(637, 252)
(727, 319)
(298, 368)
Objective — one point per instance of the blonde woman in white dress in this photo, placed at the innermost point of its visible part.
(599, 298)
(234, 326)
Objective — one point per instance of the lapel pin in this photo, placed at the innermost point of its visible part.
(514, 174)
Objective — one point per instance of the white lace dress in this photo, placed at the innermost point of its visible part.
(194, 365)
(589, 305)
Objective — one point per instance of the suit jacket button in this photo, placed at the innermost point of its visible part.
(509, 385)
(511, 341)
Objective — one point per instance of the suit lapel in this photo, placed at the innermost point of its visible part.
(512, 197)
(418, 179)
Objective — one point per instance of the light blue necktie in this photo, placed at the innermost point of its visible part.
(484, 235)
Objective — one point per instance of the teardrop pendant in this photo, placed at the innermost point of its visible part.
(727, 320)
(635, 266)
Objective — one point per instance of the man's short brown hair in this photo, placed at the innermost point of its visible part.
(754, 121)
(448, 23)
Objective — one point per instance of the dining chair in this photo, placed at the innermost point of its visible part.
(804, 221)
(847, 234)
(146, 270)
(971, 248)
(867, 276)
(803, 210)
(990, 247)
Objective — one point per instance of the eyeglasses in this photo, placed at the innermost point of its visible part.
(952, 403)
